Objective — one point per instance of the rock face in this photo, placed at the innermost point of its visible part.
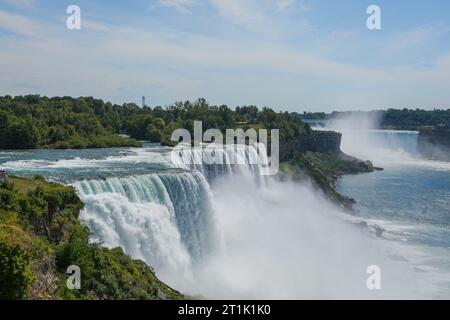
(435, 143)
(317, 141)
(318, 156)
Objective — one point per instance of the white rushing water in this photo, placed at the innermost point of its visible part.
(409, 199)
(225, 231)
(243, 239)
(166, 219)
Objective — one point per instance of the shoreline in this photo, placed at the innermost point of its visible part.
(324, 170)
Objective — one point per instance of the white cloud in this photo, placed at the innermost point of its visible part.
(19, 24)
(126, 63)
(238, 9)
(95, 26)
(21, 4)
(284, 4)
(250, 14)
(182, 6)
(417, 36)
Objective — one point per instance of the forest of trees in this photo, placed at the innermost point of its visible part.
(40, 122)
(64, 122)
(406, 118)
(32, 121)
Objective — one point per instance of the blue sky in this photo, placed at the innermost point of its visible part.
(297, 55)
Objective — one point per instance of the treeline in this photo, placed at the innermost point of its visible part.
(64, 122)
(407, 118)
(391, 118)
(157, 124)
(39, 122)
(41, 236)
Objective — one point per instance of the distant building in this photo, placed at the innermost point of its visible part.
(143, 102)
(3, 176)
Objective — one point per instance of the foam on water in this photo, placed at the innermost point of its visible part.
(410, 199)
(215, 230)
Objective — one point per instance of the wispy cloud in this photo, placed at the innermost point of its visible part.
(19, 24)
(170, 62)
(284, 4)
(21, 4)
(240, 12)
(96, 26)
(417, 36)
(250, 14)
(182, 6)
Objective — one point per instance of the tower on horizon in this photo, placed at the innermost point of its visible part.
(143, 102)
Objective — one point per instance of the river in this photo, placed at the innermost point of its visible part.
(410, 198)
(228, 232)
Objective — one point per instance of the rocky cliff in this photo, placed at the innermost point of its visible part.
(318, 157)
(316, 141)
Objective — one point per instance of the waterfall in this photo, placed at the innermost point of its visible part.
(164, 219)
(215, 160)
(382, 147)
(210, 230)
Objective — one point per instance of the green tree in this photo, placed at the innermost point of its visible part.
(15, 273)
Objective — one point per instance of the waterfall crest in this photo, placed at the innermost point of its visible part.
(216, 160)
